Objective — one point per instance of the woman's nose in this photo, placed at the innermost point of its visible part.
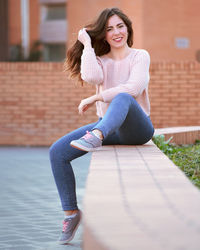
(116, 31)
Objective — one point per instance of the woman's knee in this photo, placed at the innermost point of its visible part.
(53, 151)
(58, 149)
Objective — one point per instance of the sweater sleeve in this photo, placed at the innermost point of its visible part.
(137, 81)
(91, 67)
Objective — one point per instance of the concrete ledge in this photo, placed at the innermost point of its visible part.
(137, 199)
(181, 135)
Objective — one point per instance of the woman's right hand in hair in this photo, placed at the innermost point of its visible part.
(84, 37)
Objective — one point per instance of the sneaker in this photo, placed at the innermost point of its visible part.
(70, 225)
(89, 142)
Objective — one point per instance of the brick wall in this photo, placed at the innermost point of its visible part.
(38, 104)
(175, 94)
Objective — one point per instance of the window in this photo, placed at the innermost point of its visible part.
(53, 30)
(54, 52)
(55, 12)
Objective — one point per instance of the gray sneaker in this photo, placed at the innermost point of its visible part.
(70, 225)
(89, 142)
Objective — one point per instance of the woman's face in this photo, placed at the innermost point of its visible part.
(116, 32)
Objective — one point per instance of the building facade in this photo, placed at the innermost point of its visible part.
(43, 29)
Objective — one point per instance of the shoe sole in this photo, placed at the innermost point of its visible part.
(83, 148)
(64, 242)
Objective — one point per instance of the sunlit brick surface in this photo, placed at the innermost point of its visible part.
(136, 198)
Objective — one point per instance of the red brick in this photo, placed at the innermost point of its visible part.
(39, 97)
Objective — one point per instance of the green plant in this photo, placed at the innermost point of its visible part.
(163, 145)
(187, 157)
(35, 53)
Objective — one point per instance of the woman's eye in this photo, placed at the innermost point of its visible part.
(108, 29)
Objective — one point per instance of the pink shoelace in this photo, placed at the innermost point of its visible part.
(65, 224)
(87, 135)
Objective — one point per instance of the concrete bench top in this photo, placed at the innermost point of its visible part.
(137, 199)
(180, 135)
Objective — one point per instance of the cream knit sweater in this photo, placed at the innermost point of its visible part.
(111, 77)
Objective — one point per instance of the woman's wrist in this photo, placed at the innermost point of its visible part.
(87, 45)
(98, 97)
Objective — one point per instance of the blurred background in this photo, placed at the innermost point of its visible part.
(41, 30)
(38, 103)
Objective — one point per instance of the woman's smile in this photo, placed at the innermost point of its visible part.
(118, 39)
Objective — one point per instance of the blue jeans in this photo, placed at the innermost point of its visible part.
(124, 123)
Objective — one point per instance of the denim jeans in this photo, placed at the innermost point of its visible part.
(125, 123)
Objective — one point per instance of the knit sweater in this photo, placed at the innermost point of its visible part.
(111, 77)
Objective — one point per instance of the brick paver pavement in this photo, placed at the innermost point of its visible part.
(30, 211)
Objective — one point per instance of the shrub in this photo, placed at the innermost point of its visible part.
(186, 157)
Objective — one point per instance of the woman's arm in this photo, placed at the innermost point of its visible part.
(88, 102)
(91, 69)
(138, 79)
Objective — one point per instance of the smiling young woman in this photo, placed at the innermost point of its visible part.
(103, 56)
(117, 33)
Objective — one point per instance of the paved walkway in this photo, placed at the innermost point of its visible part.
(30, 211)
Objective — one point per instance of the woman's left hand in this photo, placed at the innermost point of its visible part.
(87, 103)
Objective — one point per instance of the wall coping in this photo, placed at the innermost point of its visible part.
(136, 198)
(155, 65)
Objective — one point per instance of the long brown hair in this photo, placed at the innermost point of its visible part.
(97, 33)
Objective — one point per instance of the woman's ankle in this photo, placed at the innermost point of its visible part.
(70, 212)
(98, 133)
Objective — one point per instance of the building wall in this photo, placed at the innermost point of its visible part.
(38, 104)
(14, 23)
(164, 21)
(4, 30)
(156, 23)
(88, 10)
(48, 32)
(34, 21)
